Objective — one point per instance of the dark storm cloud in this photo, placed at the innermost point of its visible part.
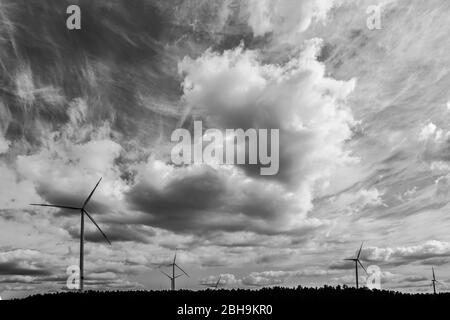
(116, 233)
(189, 202)
(15, 268)
(182, 203)
(205, 199)
(197, 192)
(66, 198)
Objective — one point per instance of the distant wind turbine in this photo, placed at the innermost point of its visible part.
(172, 277)
(213, 285)
(433, 282)
(83, 212)
(356, 261)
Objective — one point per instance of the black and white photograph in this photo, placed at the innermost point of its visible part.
(225, 159)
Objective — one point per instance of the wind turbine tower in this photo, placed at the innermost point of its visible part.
(357, 261)
(173, 277)
(83, 212)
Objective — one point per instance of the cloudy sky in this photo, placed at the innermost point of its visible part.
(364, 141)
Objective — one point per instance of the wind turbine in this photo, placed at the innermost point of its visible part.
(433, 282)
(172, 277)
(83, 212)
(214, 285)
(356, 261)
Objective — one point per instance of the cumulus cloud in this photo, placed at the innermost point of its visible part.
(436, 141)
(64, 172)
(258, 280)
(430, 131)
(236, 90)
(386, 278)
(268, 278)
(407, 254)
(263, 278)
(201, 198)
(15, 192)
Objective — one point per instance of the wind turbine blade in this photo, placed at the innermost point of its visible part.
(92, 219)
(218, 281)
(434, 277)
(349, 259)
(90, 195)
(182, 270)
(362, 266)
(166, 274)
(359, 252)
(54, 206)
